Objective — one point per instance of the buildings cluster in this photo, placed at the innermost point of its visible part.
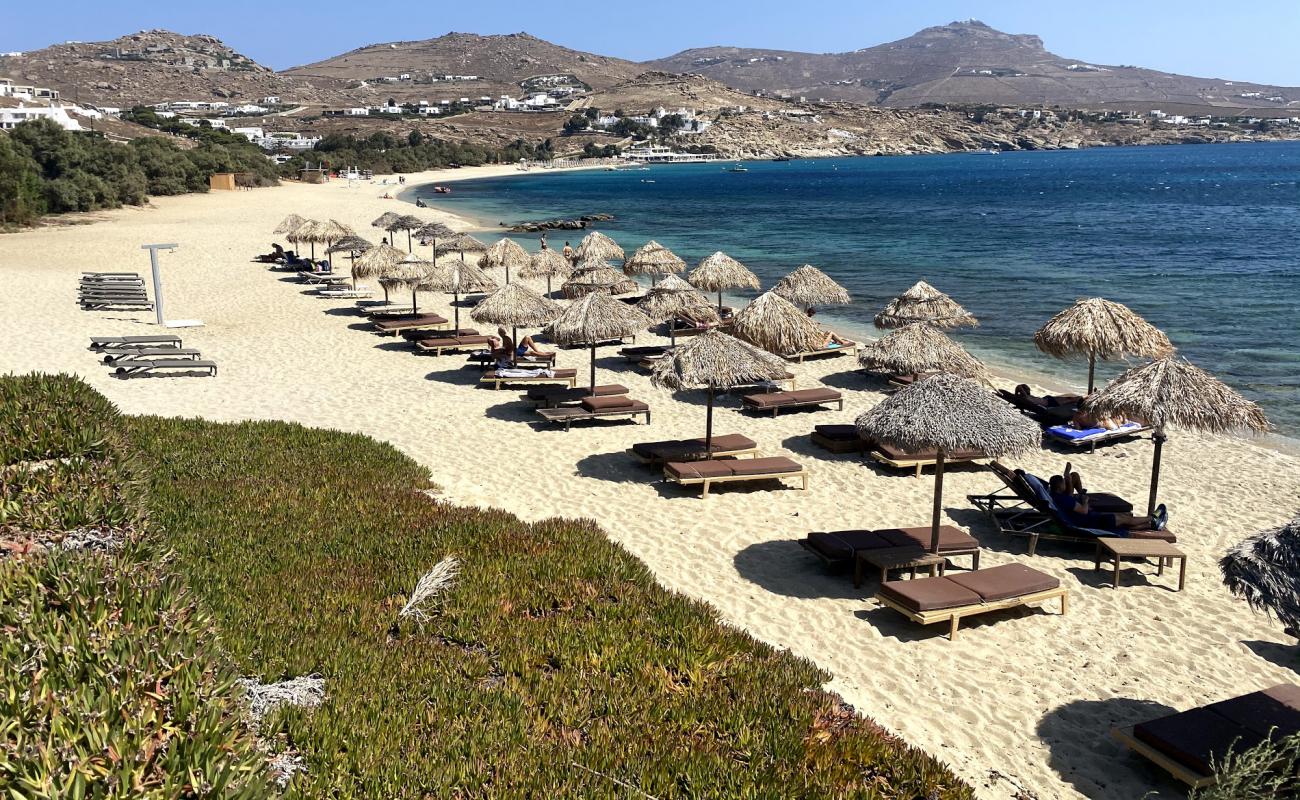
(693, 123)
(172, 108)
(30, 93)
(405, 77)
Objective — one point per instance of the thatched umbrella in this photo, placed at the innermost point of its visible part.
(376, 262)
(385, 220)
(308, 231)
(288, 224)
(810, 287)
(720, 271)
(430, 234)
(1172, 391)
(1102, 329)
(547, 264)
(596, 318)
(505, 253)
(517, 306)
(948, 413)
(1264, 570)
(653, 259)
(352, 245)
(917, 349)
(777, 325)
(414, 273)
(716, 360)
(455, 278)
(408, 223)
(597, 245)
(673, 296)
(924, 303)
(460, 243)
(595, 277)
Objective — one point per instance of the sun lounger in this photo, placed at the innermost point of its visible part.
(637, 354)
(115, 355)
(443, 344)
(838, 438)
(1027, 510)
(1190, 744)
(324, 277)
(135, 368)
(596, 408)
(445, 333)
(832, 349)
(707, 472)
(731, 445)
(556, 396)
(399, 324)
(685, 327)
(1091, 437)
(800, 398)
(567, 376)
(786, 382)
(102, 342)
(345, 292)
(952, 598)
(484, 358)
(900, 459)
(839, 549)
(1047, 409)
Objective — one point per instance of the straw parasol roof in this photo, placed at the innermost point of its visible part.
(460, 242)
(288, 224)
(596, 318)
(405, 222)
(809, 287)
(1264, 570)
(777, 325)
(924, 303)
(376, 263)
(546, 263)
(332, 230)
(516, 305)
(505, 253)
(917, 349)
(716, 360)
(457, 278)
(432, 231)
(597, 278)
(673, 296)
(720, 271)
(1104, 329)
(599, 246)
(305, 232)
(948, 413)
(1171, 391)
(350, 244)
(412, 272)
(653, 259)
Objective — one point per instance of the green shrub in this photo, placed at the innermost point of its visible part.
(110, 687)
(554, 648)
(1267, 771)
(51, 416)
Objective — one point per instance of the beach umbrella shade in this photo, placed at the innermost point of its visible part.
(596, 277)
(715, 360)
(517, 306)
(505, 253)
(1104, 329)
(948, 413)
(289, 224)
(385, 220)
(917, 349)
(375, 263)
(810, 287)
(597, 245)
(653, 259)
(460, 243)
(1173, 392)
(673, 297)
(924, 303)
(408, 223)
(720, 271)
(777, 325)
(412, 272)
(593, 319)
(430, 233)
(309, 232)
(456, 278)
(1264, 570)
(547, 264)
(352, 245)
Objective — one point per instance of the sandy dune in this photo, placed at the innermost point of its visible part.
(1022, 700)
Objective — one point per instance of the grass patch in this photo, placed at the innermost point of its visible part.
(553, 647)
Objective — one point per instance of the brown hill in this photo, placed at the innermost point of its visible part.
(969, 63)
(649, 90)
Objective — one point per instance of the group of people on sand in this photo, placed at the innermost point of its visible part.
(1071, 498)
(288, 259)
(505, 351)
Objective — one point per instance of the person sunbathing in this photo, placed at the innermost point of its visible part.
(1086, 420)
(276, 255)
(831, 338)
(1072, 499)
(528, 349)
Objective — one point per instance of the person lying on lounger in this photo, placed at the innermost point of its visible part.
(831, 338)
(276, 255)
(1070, 496)
(1085, 420)
(528, 349)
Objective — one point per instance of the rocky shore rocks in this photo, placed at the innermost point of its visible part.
(538, 226)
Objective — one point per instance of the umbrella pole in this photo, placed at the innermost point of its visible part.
(719, 302)
(548, 286)
(455, 304)
(708, 427)
(1092, 368)
(415, 310)
(938, 502)
(409, 247)
(593, 366)
(514, 346)
(1159, 439)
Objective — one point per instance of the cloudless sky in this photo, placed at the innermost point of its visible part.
(1255, 40)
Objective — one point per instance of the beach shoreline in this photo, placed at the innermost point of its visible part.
(285, 353)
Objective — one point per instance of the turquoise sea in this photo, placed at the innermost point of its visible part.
(1202, 240)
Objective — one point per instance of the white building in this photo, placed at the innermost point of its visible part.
(271, 100)
(24, 92)
(252, 134)
(286, 140)
(12, 117)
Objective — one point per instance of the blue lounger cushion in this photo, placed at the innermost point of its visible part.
(1076, 434)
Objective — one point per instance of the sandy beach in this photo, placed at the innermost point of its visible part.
(1023, 701)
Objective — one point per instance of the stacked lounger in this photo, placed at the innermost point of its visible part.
(839, 549)
(951, 598)
(799, 398)
(596, 407)
(103, 290)
(134, 356)
(838, 438)
(707, 472)
(730, 445)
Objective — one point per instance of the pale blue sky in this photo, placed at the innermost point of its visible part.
(1250, 40)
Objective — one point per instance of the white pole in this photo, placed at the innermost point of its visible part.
(157, 276)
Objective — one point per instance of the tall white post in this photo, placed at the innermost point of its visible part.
(157, 276)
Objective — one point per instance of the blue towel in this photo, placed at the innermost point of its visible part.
(1075, 434)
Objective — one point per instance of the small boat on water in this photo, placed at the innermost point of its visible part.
(738, 168)
(985, 151)
(442, 190)
(783, 158)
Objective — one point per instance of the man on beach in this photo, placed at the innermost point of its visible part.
(568, 253)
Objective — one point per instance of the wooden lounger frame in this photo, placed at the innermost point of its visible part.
(752, 452)
(707, 482)
(396, 330)
(1188, 776)
(498, 382)
(438, 346)
(825, 351)
(919, 463)
(954, 616)
(568, 419)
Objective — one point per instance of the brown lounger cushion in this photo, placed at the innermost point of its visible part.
(897, 454)
(1196, 738)
(602, 390)
(667, 450)
(771, 465)
(841, 545)
(399, 322)
(1004, 582)
(839, 433)
(1163, 535)
(692, 470)
(771, 399)
(950, 538)
(929, 594)
(607, 402)
(433, 343)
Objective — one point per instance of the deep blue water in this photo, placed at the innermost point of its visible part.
(1203, 241)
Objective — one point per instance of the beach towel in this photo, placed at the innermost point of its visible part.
(1083, 434)
(525, 373)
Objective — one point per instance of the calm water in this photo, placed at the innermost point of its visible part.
(1204, 241)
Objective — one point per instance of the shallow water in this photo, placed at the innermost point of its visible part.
(1201, 240)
